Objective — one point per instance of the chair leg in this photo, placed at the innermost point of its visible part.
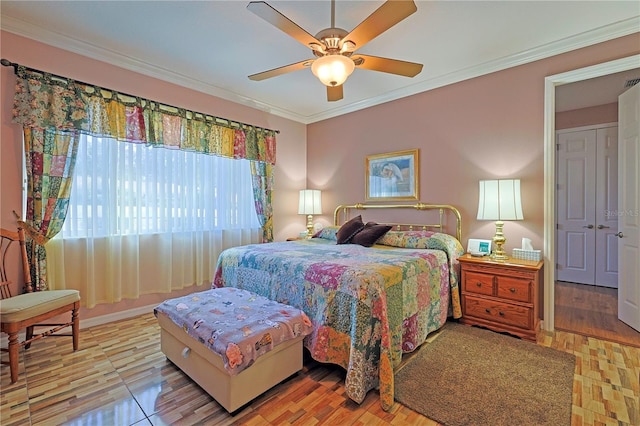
(75, 328)
(28, 336)
(14, 347)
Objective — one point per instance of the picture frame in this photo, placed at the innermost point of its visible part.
(392, 176)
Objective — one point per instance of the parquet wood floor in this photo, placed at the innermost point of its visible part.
(120, 377)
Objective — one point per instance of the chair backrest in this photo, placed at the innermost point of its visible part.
(9, 239)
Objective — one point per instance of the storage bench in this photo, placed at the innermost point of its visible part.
(233, 343)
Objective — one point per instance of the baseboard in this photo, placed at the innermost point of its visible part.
(116, 316)
(91, 322)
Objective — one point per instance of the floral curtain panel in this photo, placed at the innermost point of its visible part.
(53, 110)
(262, 189)
(50, 157)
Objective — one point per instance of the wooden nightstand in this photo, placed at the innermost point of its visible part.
(502, 296)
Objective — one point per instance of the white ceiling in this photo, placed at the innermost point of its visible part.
(212, 46)
(594, 91)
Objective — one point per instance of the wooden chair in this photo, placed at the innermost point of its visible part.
(28, 310)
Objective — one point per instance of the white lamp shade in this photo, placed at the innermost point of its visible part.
(332, 70)
(500, 200)
(310, 202)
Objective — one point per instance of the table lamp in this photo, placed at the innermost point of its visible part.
(310, 203)
(500, 200)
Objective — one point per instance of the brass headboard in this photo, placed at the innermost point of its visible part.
(442, 209)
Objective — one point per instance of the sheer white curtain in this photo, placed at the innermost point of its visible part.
(148, 220)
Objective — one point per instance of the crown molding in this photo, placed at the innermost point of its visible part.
(598, 35)
(588, 38)
(98, 53)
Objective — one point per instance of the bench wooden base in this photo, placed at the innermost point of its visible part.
(206, 367)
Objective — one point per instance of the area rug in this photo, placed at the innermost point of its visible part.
(473, 376)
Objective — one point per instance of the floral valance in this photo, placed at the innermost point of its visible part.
(44, 101)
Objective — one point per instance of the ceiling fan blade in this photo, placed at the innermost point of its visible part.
(391, 66)
(281, 70)
(334, 93)
(383, 18)
(281, 22)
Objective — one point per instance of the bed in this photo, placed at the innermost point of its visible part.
(368, 303)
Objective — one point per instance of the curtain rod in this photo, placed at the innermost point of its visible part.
(8, 63)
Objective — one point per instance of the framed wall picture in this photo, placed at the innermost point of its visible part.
(392, 176)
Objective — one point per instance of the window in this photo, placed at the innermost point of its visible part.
(145, 220)
(126, 188)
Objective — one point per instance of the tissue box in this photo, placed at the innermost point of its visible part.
(527, 254)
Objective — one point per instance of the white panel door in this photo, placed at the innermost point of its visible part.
(629, 207)
(606, 248)
(576, 231)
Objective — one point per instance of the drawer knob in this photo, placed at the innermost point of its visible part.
(501, 314)
(186, 352)
(512, 290)
(478, 284)
(487, 310)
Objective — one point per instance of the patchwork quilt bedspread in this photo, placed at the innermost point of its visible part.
(367, 305)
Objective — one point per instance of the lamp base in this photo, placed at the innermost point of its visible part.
(499, 239)
(309, 226)
(498, 257)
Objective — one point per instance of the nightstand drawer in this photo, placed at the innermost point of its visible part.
(514, 289)
(504, 313)
(474, 282)
(502, 296)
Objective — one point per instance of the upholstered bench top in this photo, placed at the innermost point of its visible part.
(29, 305)
(238, 325)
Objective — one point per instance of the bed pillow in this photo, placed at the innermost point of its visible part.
(407, 239)
(349, 229)
(370, 234)
(328, 233)
(423, 240)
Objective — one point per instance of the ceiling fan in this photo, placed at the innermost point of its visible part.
(335, 48)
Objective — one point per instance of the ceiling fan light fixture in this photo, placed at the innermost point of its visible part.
(332, 70)
(348, 46)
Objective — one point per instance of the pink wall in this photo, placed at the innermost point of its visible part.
(290, 174)
(490, 126)
(587, 116)
(483, 128)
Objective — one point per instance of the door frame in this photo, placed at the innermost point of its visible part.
(549, 242)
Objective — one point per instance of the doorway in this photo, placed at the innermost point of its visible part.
(549, 167)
